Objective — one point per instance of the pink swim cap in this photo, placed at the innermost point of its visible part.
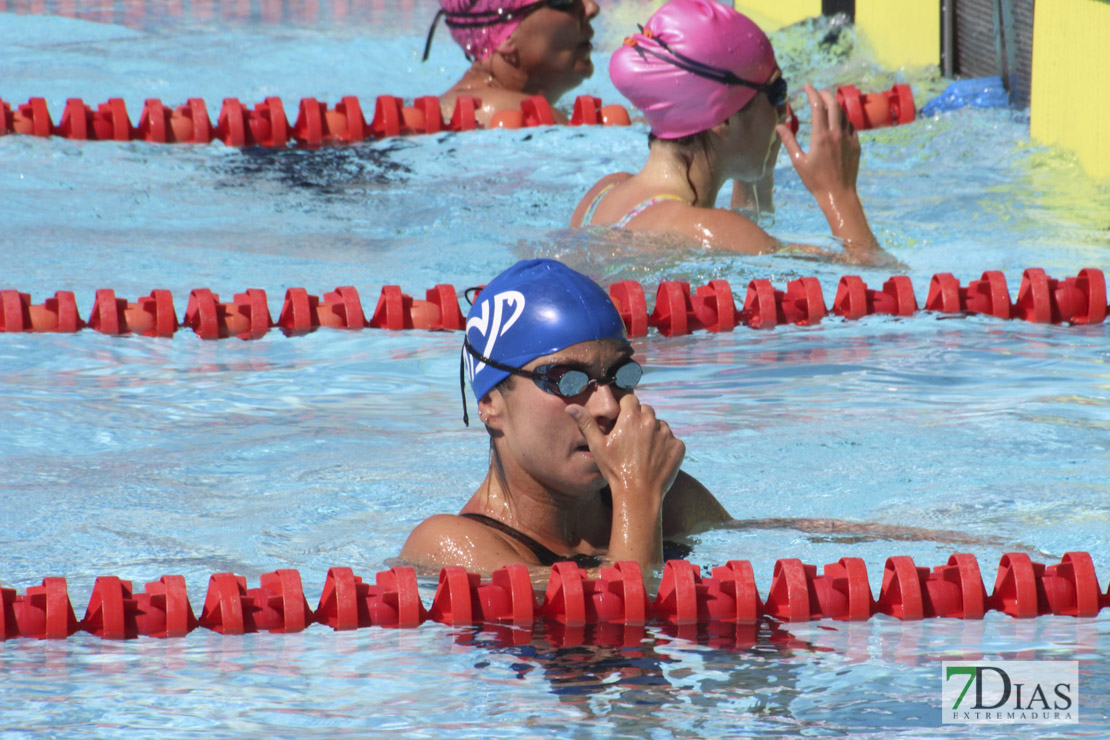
(653, 69)
(479, 26)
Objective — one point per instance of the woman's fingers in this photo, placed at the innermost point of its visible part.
(832, 111)
(818, 108)
(786, 136)
(586, 424)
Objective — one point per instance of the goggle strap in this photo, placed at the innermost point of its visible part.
(462, 389)
(692, 66)
(428, 48)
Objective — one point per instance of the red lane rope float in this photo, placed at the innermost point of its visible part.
(892, 107)
(572, 600)
(266, 124)
(678, 310)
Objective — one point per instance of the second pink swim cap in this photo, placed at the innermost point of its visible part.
(479, 26)
(676, 101)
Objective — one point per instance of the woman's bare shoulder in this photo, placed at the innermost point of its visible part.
(713, 227)
(584, 205)
(449, 539)
(491, 101)
(689, 507)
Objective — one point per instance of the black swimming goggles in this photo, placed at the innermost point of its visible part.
(565, 381)
(776, 92)
(478, 19)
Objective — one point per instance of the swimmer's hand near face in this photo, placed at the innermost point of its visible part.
(831, 166)
(829, 171)
(639, 459)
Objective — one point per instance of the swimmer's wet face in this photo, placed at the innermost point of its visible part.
(536, 434)
(553, 44)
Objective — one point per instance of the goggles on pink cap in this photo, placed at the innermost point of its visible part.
(693, 65)
(479, 26)
(777, 92)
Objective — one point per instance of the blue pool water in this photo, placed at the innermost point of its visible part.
(139, 457)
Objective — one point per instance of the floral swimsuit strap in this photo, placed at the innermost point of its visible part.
(588, 217)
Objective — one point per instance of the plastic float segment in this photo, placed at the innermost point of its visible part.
(874, 110)
(843, 591)
(57, 314)
(674, 311)
(537, 111)
(508, 597)
(793, 596)
(1017, 588)
(281, 604)
(617, 596)
(587, 111)
(394, 599)
(628, 297)
(564, 600)
(5, 118)
(112, 610)
(228, 608)
(9, 629)
(956, 589)
(901, 594)
(110, 121)
(714, 307)
(76, 122)
(45, 611)
(731, 594)
(163, 609)
(455, 602)
(680, 600)
(1071, 586)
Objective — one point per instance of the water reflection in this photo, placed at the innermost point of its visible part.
(651, 667)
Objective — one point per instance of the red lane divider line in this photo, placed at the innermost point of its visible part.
(266, 124)
(677, 310)
(572, 600)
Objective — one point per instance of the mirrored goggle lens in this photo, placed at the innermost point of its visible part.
(777, 92)
(573, 382)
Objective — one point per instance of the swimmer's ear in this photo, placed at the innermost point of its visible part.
(508, 50)
(491, 409)
(721, 130)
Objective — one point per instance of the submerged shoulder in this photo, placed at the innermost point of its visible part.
(728, 230)
(449, 539)
(689, 507)
(491, 101)
(717, 227)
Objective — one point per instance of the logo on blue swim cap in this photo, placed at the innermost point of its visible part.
(534, 308)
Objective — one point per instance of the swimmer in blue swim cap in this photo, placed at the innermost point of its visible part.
(579, 468)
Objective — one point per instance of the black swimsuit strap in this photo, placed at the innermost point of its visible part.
(543, 554)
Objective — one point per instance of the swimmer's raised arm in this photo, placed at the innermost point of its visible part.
(829, 171)
(690, 508)
(639, 459)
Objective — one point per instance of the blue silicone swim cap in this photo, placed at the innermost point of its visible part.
(532, 309)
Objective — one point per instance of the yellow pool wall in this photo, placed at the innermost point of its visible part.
(1069, 101)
